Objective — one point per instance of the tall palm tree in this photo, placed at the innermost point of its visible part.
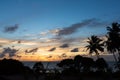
(110, 47)
(114, 36)
(95, 45)
(113, 40)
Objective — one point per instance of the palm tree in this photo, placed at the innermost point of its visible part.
(110, 47)
(114, 37)
(95, 45)
(113, 40)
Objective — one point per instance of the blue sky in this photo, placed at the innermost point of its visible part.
(41, 19)
(37, 16)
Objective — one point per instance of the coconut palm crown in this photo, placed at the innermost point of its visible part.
(95, 45)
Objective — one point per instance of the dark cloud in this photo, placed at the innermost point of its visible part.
(2, 55)
(49, 57)
(19, 41)
(64, 46)
(18, 56)
(75, 50)
(63, 55)
(11, 29)
(11, 52)
(52, 49)
(31, 51)
(74, 27)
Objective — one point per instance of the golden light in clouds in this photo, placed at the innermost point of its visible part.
(42, 53)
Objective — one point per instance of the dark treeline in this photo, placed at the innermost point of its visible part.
(78, 68)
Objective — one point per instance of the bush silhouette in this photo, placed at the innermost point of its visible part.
(10, 66)
(66, 63)
(38, 68)
(101, 65)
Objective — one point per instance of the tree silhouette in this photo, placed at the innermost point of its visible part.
(101, 65)
(38, 68)
(66, 63)
(77, 62)
(113, 39)
(11, 66)
(83, 63)
(87, 64)
(95, 45)
(67, 66)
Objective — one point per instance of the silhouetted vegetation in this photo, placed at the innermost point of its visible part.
(101, 65)
(10, 66)
(95, 45)
(113, 41)
(38, 68)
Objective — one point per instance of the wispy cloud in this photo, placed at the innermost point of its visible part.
(62, 34)
(55, 31)
(74, 27)
(11, 29)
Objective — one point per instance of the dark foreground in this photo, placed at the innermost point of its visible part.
(52, 76)
(14, 70)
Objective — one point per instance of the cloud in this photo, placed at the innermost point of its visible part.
(4, 42)
(9, 51)
(52, 49)
(31, 51)
(49, 56)
(63, 55)
(11, 29)
(55, 31)
(75, 50)
(64, 46)
(57, 34)
(74, 27)
(71, 40)
(29, 43)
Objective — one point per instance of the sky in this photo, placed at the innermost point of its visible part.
(50, 30)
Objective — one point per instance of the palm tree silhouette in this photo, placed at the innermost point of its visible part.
(113, 40)
(95, 45)
(110, 48)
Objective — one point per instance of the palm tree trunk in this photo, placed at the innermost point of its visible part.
(119, 55)
(116, 61)
(115, 57)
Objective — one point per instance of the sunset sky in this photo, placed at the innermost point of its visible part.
(51, 30)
